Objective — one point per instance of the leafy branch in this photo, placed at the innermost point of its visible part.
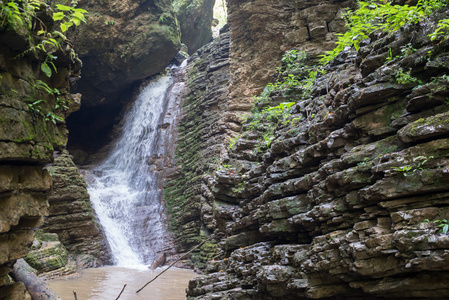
(375, 15)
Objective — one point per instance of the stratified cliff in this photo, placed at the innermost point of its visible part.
(220, 93)
(351, 197)
(32, 127)
(200, 142)
(34, 102)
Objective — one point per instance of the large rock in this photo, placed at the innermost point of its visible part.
(124, 42)
(261, 32)
(201, 133)
(195, 20)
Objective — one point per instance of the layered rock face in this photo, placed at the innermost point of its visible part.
(348, 200)
(71, 215)
(200, 142)
(261, 31)
(31, 128)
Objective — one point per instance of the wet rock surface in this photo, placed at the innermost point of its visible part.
(122, 45)
(347, 200)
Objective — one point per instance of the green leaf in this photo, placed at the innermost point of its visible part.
(58, 16)
(78, 15)
(63, 7)
(65, 26)
(80, 10)
(54, 67)
(46, 69)
(76, 21)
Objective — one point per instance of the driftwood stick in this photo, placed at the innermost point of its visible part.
(74, 294)
(171, 265)
(121, 292)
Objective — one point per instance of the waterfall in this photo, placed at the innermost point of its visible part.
(124, 187)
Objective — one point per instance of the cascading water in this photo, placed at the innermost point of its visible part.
(123, 188)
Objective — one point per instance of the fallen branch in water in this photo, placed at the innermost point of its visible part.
(171, 265)
(121, 292)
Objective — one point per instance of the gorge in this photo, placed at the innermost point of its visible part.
(305, 181)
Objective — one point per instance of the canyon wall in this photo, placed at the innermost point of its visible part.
(122, 45)
(31, 130)
(220, 93)
(350, 199)
(261, 31)
(200, 143)
(195, 22)
(33, 108)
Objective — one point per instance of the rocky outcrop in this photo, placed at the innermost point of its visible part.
(122, 44)
(200, 143)
(195, 21)
(71, 216)
(31, 128)
(351, 198)
(261, 31)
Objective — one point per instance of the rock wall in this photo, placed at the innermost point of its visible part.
(200, 143)
(195, 21)
(346, 201)
(261, 31)
(71, 216)
(122, 44)
(30, 130)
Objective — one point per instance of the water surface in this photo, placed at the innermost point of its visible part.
(107, 282)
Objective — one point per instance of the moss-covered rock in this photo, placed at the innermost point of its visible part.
(124, 42)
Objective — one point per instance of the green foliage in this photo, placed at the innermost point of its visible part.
(375, 15)
(69, 16)
(22, 13)
(441, 31)
(266, 120)
(240, 187)
(36, 109)
(292, 59)
(18, 14)
(404, 77)
(419, 161)
(295, 74)
(443, 225)
(233, 141)
(109, 22)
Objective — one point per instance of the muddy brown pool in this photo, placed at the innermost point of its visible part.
(107, 282)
